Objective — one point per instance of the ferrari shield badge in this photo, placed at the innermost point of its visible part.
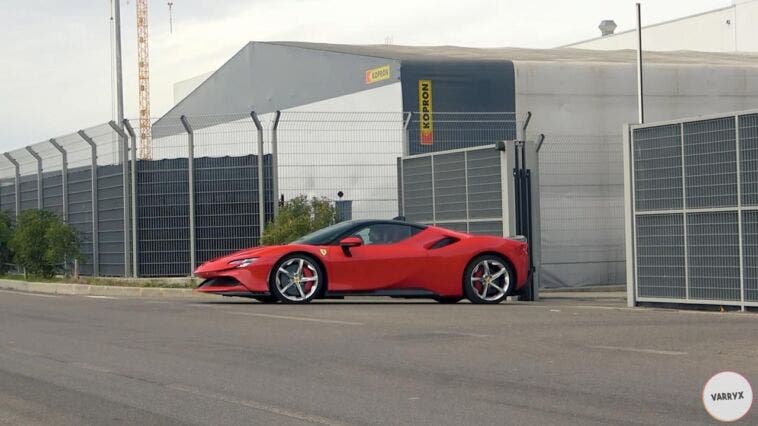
(323, 252)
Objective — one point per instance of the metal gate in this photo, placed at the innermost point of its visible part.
(692, 211)
(489, 190)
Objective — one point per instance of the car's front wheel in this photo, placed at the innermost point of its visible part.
(488, 279)
(296, 278)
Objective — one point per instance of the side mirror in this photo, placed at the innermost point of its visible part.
(348, 242)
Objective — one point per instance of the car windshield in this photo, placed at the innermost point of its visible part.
(326, 235)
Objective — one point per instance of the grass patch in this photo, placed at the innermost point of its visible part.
(116, 282)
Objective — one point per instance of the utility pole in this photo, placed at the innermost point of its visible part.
(640, 103)
(116, 7)
(170, 17)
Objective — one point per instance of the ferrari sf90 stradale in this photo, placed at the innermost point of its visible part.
(374, 257)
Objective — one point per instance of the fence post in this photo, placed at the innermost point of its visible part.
(17, 183)
(123, 157)
(261, 189)
(133, 160)
(191, 188)
(406, 138)
(93, 190)
(39, 176)
(275, 163)
(64, 177)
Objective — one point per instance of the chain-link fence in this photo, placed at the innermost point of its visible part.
(209, 185)
(582, 215)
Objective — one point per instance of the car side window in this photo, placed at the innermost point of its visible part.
(386, 233)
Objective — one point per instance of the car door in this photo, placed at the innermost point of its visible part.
(387, 258)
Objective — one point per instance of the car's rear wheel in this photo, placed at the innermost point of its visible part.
(488, 279)
(296, 278)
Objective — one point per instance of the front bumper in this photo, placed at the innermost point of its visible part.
(233, 280)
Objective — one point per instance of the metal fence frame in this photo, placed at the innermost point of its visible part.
(631, 212)
(85, 153)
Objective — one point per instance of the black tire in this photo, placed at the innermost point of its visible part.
(496, 290)
(289, 288)
(266, 299)
(447, 300)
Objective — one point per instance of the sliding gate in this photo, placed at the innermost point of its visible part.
(487, 190)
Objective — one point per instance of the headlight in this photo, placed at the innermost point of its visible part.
(241, 263)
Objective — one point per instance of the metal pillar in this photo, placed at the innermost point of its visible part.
(275, 163)
(40, 201)
(17, 183)
(640, 104)
(191, 189)
(93, 190)
(123, 156)
(64, 178)
(261, 189)
(116, 8)
(133, 160)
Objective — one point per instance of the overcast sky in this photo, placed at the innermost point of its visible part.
(56, 55)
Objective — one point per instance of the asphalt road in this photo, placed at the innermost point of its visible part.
(80, 360)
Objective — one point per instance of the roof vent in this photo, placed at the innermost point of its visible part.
(607, 27)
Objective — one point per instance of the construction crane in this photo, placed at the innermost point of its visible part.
(143, 76)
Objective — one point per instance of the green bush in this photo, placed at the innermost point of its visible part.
(42, 243)
(6, 231)
(297, 217)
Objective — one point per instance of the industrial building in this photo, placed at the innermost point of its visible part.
(579, 99)
(728, 29)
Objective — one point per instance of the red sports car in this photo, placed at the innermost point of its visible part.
(374, 257)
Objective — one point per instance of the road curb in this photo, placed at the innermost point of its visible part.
(99, 290)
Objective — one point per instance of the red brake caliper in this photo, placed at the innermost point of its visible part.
(308, 285)
(478, 285)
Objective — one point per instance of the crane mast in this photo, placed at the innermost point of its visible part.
(143, 62)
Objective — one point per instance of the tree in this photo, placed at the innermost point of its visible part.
(6, 230)
(297, 217)
(42, 243)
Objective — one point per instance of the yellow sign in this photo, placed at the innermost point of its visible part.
(425, 109)
(323, 252)
(378, 74)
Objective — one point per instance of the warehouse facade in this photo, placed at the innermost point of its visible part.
(578, 99)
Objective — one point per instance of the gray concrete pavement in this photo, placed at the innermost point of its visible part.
(84, 360)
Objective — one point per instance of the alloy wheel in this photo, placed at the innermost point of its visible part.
(490, 280)
(297, 279)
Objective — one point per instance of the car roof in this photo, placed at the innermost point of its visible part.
(366, 222)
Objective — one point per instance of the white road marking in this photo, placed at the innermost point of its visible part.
(102, 297)
(455, 333)
(24, 293)
(285, 317)
(255, 405)
(639, 350)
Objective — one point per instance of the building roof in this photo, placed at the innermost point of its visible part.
(657, 24)
(434, 53)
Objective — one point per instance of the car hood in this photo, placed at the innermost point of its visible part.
(222, 263)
